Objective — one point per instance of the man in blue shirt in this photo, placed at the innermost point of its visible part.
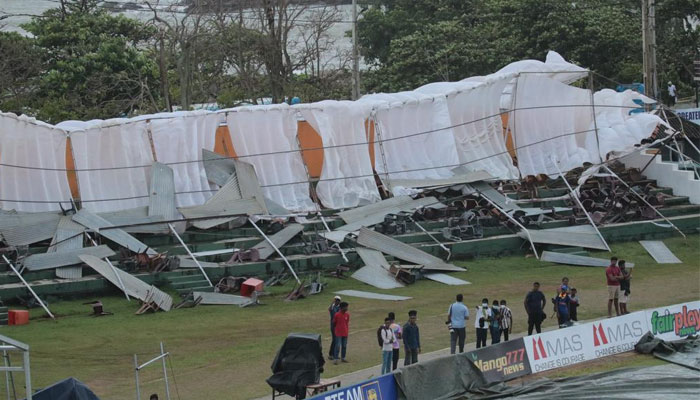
(411, 338)
(458, 314)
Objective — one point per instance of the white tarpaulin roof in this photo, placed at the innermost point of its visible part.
(420, 134)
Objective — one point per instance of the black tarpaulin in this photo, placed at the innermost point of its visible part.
(442, 378)
(298, 363)
(67, 389)
(684, 352)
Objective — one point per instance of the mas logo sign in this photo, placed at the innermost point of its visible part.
(556, 348)
(616, 335)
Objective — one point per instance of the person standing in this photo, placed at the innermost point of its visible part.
(534, 307)
(495, 323)
(481, 323)
(506, 320)
(574, 302)
(561, 305)
(458, 314)
(332, 310)
(672, 93)
(341, 321)
(624, 286)
(396, 328)
(411, 339)
(613, 276)
(388, 340)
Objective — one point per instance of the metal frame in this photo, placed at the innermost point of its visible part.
(510, 217)
(9, 344)
(119, 278)
(342, 252)
(578, 201)
(442, 246)
(644, 200)
(138, 367)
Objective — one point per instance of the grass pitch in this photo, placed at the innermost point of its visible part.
(224, 352)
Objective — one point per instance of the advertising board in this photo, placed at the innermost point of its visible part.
(614, 335)
(555, 349)
(381, 388)
(501, 362)
(674, 322)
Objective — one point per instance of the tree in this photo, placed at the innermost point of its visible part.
(94, 65)
(20, 65)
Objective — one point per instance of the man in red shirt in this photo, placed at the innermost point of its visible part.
(341, 321)
(613, 275)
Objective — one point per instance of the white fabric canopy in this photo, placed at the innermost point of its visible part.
(179, 142)
(112, 144)
(549, 121)
(415, 132)
(341, 125)
(26, 142)
(261, 130)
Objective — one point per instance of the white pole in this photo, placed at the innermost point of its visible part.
(7, 374)
(644, 200)
(575, 196)
(29, 287)
(342, 252)
(355, 55)
(114, 269)
(277, 250)
(27, 375)
(165, 372)
(532, 244)
(136, 371)
(190, 253)
(449, 252)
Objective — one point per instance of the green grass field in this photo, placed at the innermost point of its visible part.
(225, 352)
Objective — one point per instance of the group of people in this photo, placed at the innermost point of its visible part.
(496, 319)
(618, 277)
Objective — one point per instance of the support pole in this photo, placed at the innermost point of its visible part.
(267, 239)
(576, 199)
(342, 252)
(7, 374)
(27, 374)
(136, 371)
(28, 287)
(190, 253)
(692, 145)
(595, 121)
(442, 246)
(644, 200)
(114, 269)
(510, 217)
(355, 55)
(165, 371)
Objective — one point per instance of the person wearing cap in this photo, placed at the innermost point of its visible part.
(562, 302)
(396, 328)
(333, 309)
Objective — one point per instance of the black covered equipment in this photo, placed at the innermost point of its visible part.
(298, 363)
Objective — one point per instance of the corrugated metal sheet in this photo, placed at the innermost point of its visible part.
(371, 214)
(434, 183)
(218, 169)
(221, 299)
(96, 223)
(446, 279)
(69, 273)
(370, 295)
(229, 192)
(234, 207)
(572, 259)
(660, 252)
(566, 238)
(161, 199)
(37, 262)
(68, 237)
(186, 262)
(495, 196)
(372, 257)
(387, 245)
(279, 239)
(376, 276)
(22, 229)
(249, 184)
(135, 287)
(274, 208)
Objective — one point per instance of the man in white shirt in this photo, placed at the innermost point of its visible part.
(388, 339)
(672, 93)
(458, 314)
(481, 323)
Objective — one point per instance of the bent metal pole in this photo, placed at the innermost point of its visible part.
(190, 253)
(114, 269)
(267, 239)
(29, 287)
